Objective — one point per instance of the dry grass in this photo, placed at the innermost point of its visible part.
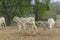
(11, 33)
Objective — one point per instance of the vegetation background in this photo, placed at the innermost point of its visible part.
(40, 9)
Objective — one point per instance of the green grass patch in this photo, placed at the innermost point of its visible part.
(36, 23)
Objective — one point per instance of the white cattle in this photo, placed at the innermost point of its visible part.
(2, 22)
(51, 23)
(23, 21)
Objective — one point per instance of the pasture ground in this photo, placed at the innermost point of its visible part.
(11, 33)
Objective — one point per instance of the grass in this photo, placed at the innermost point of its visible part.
(45, 28)
(36, 23)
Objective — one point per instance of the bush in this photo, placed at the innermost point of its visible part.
(36, 23)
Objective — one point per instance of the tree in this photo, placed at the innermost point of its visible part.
(41, 7)
(11, 8)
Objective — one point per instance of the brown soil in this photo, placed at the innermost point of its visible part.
(12, 33)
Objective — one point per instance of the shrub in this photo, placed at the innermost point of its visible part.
(36, 23)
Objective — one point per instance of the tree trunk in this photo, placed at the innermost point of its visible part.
(35, 12)
(6, 13)
(36, 16)
(8, 22)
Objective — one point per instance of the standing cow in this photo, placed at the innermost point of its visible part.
(23, 21)
(51, 23)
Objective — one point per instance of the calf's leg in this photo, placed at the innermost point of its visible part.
(34, 27)
(24, 26)
(19, 27)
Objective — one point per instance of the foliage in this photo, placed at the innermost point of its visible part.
(19, 7)
(11, 8)
(15, 7)
(42, 7)
(56, 5)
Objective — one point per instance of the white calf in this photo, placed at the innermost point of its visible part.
(51, 23)
(2, 22)
(23, 21)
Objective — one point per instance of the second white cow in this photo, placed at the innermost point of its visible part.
(23, 21)
(51, 23)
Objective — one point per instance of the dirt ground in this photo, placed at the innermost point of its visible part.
(12, 33)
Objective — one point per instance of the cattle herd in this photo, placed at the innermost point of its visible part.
(30, 20)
